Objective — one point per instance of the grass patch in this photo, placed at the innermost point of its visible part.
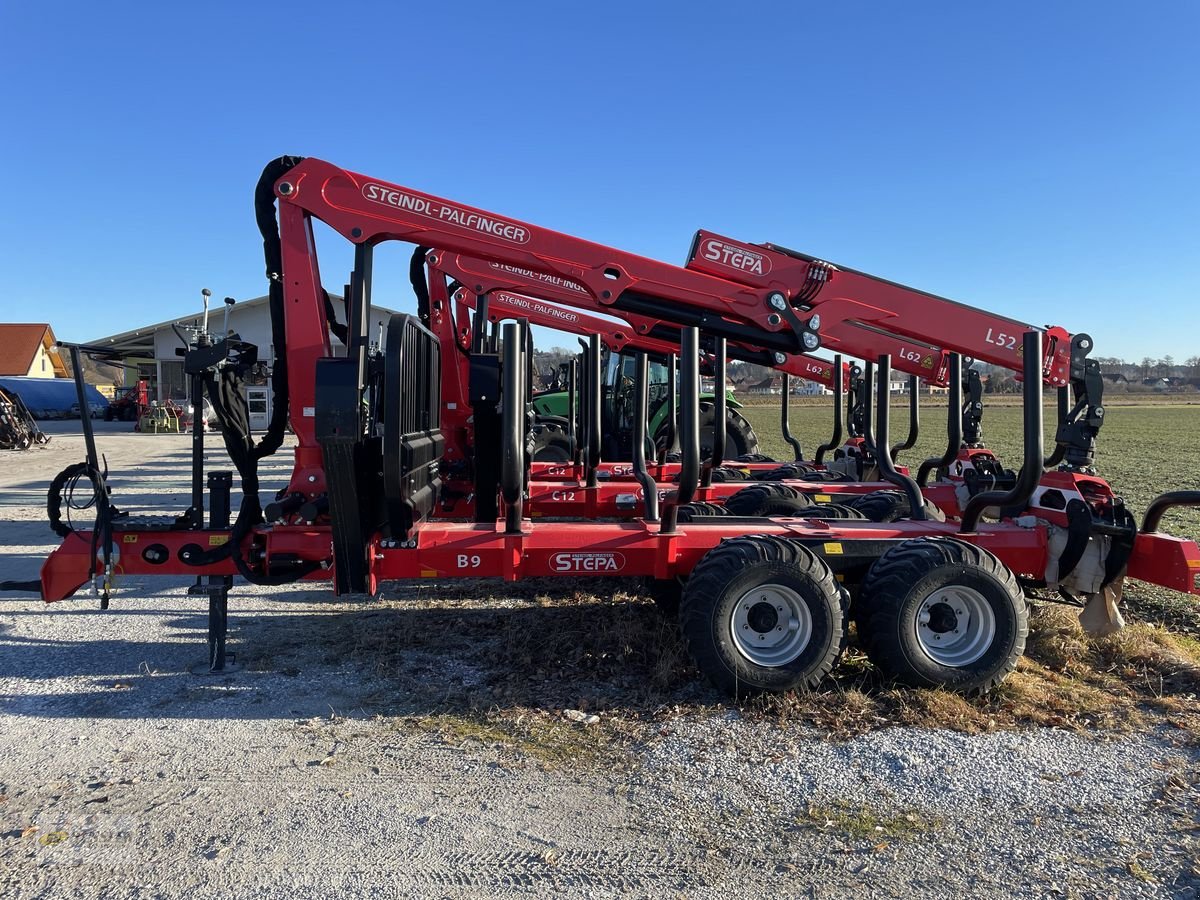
(536, 735)
(860, 823)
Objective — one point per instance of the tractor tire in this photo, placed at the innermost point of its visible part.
(937, 612)
(551, 440)
(740, 438)
(689, 511)
(666, 594)
(766, 500)
(890, 506)
(763, 615)
(128, 414)
(108, 414)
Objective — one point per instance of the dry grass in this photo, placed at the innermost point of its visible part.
(467, 670)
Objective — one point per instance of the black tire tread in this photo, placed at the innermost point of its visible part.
(726, 561)
(894, 573)
(890, 506)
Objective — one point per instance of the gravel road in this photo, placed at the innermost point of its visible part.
(318, 771)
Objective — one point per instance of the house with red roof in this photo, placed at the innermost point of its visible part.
(29, 351)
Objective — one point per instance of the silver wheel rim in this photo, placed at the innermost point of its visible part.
(955, 626)
(771, 625)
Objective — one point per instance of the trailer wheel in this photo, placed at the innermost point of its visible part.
(666, 594)
(766, 500)
(689, 511)
(761, 614)
(830, 511)
(939, 612)
(888, 506)
(787, 472)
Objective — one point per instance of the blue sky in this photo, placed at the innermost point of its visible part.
(1038, 160)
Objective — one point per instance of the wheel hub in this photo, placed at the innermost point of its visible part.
(771, 625)
(955, 626)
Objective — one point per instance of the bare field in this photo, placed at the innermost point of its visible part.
(417, 744)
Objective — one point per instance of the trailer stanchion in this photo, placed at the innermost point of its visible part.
(1064, 410)
(953, 424)
(914, 417)
(512, 393)
(720, 413)
(640, 412)
(572, 409)
(591, 409)
(866, 406)
(881, 440)
(1031, 466)
(836, 440)
(784, 423)
(671, 444)
(689, 432)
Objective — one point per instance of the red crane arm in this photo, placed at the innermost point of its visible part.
(911, 357)
(808, 282)
(506, 305)
(367, 211)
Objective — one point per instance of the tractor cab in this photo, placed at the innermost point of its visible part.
(553, 410)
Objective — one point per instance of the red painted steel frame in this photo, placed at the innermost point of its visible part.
(453, 549)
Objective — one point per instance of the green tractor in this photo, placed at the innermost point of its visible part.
(552, 430)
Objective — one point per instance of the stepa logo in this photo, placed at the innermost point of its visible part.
(588, 562)
(735, 257)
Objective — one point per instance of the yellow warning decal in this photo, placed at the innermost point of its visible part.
(130, 539)
(833, 548)
(429, 573)
(839, 576)
(216, 540)
(822, 498)
(1193, 563)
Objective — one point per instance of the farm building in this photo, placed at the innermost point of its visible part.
(150, 350)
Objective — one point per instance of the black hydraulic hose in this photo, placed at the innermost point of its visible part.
(785, 424)
(689, 432)
(268, 227)
(1163, 502)
(641, 410)
(720, 411)
(953, 424)
(914, 416)
(883, 453)
(1063, 395)
(1031, 466)
(512, 430)
(836, 440)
